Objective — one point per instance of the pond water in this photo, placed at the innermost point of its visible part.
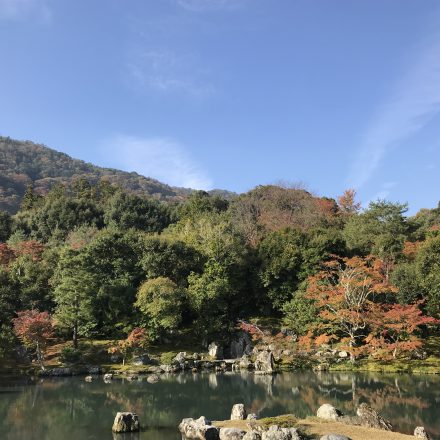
(71, 409)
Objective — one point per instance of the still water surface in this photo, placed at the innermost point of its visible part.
(70, 409)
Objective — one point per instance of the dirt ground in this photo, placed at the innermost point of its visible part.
(318, 428)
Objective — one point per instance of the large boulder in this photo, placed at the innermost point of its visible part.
(328, 412)
(153, 378)
(264, 362)
(252, 435)
(126, 422)
(420, 432)
(180, 358)
(108, 377)
(231, 434)
(215, 351)
(238, 412)
(244, 362)
(371, 418)
(199, 429)
(241, 346)
(143, 359)
(276, 433)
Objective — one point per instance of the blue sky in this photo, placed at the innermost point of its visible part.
(233, 93)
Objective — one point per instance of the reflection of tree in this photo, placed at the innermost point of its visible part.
(71, 409)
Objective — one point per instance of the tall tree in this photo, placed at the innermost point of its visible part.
(74, 291)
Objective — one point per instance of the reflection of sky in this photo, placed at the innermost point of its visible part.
(70, 409)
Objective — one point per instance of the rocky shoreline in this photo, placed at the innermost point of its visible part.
(243, 426)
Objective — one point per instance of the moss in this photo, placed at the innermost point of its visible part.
(167, 357)
(283, 421)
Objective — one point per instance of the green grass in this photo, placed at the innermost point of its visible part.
(283, 421)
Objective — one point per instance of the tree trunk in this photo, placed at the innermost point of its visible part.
(75, 335)
(352, 356)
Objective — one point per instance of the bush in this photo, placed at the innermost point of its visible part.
(70, 355)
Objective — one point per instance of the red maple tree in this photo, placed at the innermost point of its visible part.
(34, 329)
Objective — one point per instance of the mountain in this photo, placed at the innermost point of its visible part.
(23, 163)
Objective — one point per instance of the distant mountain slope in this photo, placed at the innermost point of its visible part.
(24, 162)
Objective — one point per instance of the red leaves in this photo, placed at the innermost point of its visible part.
(6, 254)
(33, 327)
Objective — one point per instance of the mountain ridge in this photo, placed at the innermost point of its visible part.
(24, 163)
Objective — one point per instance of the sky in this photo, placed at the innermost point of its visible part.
(230, 94)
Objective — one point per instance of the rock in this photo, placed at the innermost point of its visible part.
(231, 434)
(94, 369)
(420, 432)
(238, 412)
(153, 378)
(58, 372)
(334, 437)
(215, 351)
(140, 360)
(197, 356)
(242, 346)
(252, 417)
(371, 418)
(126, 422)
(276, 433)
(244, 363)
(88, 379)
(419, 354)
(180, 358)
(108, 377)
(252, 435)
(343, 354)
(116, 358)
(199, 429)
(328, 412)
(264, 362)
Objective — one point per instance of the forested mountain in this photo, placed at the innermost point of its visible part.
(95, 260)
(23, 163)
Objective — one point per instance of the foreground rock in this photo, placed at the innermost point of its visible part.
(372, 419)
(328, 412)
(231, 434)
(420, 432)
(125, 422)
(238, 412)
(276, 433)
(199, 429)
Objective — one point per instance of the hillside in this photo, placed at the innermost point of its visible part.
(24, 162)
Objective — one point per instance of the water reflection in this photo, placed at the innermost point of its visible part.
(70, 409)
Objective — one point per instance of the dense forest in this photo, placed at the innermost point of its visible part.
(23, 163)
(102, 262)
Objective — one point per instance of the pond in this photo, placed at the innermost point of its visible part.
(71, 409)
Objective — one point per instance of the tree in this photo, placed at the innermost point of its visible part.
(137, 339)
(74, 289)
(300, 313)
(344, 292)
(160, 300)
(34, 329)
(5, 226)
(428, 268)
(395, 328)
(347, 203)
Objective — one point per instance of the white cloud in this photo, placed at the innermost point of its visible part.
(161, 158)
(18, 10)
(210, 5)
(415, 101)
(166, 72)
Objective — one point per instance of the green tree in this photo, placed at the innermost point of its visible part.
(74, 290)
(161, 301)
(428, 268)
(5, 226)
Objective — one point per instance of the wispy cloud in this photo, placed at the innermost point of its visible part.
(19, 10)
(166, 72)
(415, 101)
(211, 5)
(161, 158)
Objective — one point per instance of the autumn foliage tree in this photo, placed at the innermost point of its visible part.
(34, 329)
(137, 339)
(344, 292)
